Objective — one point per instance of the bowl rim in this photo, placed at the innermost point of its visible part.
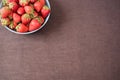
(46, 20)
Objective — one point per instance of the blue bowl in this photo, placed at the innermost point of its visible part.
(46, 20)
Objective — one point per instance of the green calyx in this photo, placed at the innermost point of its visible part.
(45, 7)
(32, 15)
(4, 2)
(11, 25)
(5, 22)
(24, 1)
(10, 17)
(31, 5)
(39, 19)
(11, 5)
(6, 8)
(32, 11)
(17, 27)
(27, 16)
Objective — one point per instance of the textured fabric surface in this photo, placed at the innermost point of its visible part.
(81, 41)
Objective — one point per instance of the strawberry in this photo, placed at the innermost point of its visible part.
(45, 11)
(29, 9)
(37, 6)
(21, 28)
(11, 15)
(6, 2)
(14, 6)
(32, 1)
(16, 18)
(4, 12)
(35, 14)
(24, 2)
(42, 2)
(5, 21)
(41, 19)
(34, 24)
(25, 18)
(12, 25)
(20, 10)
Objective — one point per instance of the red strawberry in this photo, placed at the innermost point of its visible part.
(16, 18)
(11, 15)
(20, 10)
(25, 18)
(38, 6)
(24, 2)
(6, 2)
(4, 12)
(29, 9)
(34, 24)
(14, 6)
(32, 1)
(45, 11)
(5, 21)
(12, 25)
(41, 19)
(42, 2)
(21, 28)
(35, 14)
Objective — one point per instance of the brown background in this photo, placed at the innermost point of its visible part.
(81, 41)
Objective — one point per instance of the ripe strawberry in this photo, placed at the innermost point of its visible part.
(35, 14)
(25, 18)
(16, 18)
(12, 25)
(24, 2)
(45, 11)
(20, 10)
(11, 15)
(42, 2)
(5, 21)
(4, 12)
(14, 6)
(6, 2)
(41, 19)
(29, 9)
(34, 24)
(21, 28)
(38, 6)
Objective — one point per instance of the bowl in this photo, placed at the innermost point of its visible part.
(46, 20)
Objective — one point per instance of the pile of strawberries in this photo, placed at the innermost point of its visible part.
(23, 15)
